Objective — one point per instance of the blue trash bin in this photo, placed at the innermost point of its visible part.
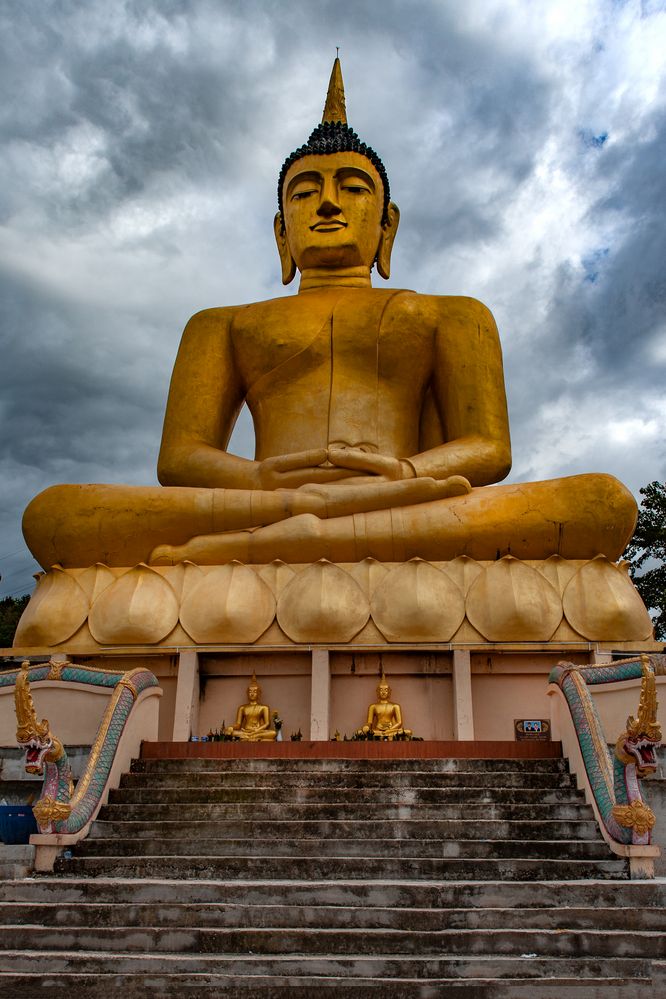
(17, 823)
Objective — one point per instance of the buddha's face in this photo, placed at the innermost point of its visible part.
(252, 693)
(383, 691)
(333, 207)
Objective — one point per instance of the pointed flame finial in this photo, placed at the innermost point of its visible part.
(27, 725)
(646, 722)
(334, 109)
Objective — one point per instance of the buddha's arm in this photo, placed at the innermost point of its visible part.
(468, 390)
(240, 717)
(392, 720)
(264, 718)
(205, 397)
(468, 387)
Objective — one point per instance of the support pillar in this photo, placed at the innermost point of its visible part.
(463, 717)
(186, 713)
(320, 698)
(601, 657)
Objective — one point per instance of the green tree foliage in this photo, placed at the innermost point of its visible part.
(11, 609)
(648, 546)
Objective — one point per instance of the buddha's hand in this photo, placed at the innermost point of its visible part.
(390, 469)
(289, 471)
(376, 468)
(372, 492)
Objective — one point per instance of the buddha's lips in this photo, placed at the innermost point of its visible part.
(328, 226)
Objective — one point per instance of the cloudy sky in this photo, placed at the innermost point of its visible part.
(525, 141)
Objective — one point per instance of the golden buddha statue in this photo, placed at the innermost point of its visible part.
(385, 717)
(253, 720)
(380, 415)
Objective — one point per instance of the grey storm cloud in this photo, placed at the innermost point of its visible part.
(141, 144)
(615, 308)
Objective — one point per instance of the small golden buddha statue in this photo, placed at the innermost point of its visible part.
(385, 717)
(253, 720)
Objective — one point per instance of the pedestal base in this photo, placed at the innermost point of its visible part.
(368, 603)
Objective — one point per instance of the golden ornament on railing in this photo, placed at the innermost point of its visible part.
(47, 811)
(637, 816)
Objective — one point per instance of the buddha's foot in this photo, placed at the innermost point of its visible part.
(207, 549)
(218, 549)
(265, 735)
(167, 555)
(308, 530)
(455, 485)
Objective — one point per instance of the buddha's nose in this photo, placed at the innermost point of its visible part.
(328, 205)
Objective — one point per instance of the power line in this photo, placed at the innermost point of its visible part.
(16, 593)
(16, 573)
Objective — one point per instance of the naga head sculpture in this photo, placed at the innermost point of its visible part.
(35, 737)
(638, 743)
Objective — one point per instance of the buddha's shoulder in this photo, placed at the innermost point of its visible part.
(454, 308)
(228, 315)
(211, 319)
(437, 308)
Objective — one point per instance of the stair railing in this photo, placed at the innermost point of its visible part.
(64, 815)
(611, 782)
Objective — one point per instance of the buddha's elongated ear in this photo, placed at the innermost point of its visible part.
(286, 260)
(389, 230)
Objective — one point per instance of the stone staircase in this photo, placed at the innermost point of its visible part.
(430, 877)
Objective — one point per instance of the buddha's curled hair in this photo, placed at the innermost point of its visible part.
(335, 137)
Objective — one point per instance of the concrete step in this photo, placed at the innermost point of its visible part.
(360, 829)
(16, 860)
(286, 780)
(395, 893)
(190, 846)
(362, 766)
(361, 797)
(395, 812)
(138, 985)
(103, 914)
(351, 966)
(478, 878)
(264, 941)
(335, 867)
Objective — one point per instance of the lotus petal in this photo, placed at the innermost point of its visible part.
(322, 604)
(602, 604)
(462, 570)
(139, 608)
(229, 604)
(95, 580)
(368, 574)
(57, 609)
(558, 571)
(417, 603)
(512, 602)
(277, 575)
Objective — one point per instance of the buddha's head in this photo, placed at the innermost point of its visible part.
(383, 690)
(253, 690)
(334, 199)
